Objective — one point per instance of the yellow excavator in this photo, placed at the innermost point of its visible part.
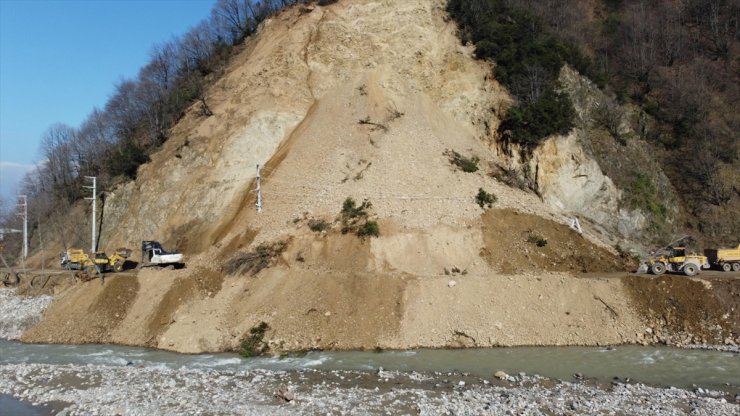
(673, 258)
(77, 259)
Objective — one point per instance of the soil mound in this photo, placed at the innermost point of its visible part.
(681, 309)
(516, 242)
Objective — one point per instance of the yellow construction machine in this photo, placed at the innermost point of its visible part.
(673, 258)
(726, 259)
(78, 259)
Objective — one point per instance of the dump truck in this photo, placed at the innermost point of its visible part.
(153, 254)
(727, 259)
(78, 259)
(673, 258)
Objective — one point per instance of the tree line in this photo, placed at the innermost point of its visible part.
(115, 139)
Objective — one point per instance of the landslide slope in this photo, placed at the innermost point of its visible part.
(359, 99)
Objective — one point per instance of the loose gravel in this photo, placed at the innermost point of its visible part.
(18, 313)
(99, 390)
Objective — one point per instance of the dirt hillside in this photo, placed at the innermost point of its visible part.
(360, 99)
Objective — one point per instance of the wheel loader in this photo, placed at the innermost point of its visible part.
(674, 258)
(78, 259)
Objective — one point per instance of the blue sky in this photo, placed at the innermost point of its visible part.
(60, 58)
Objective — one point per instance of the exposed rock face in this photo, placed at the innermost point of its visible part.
(602, 171)
(571, 180)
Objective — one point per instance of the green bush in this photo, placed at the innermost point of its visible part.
(351, 210)
(528, 125)
(369, 229)
(253, 344)
(318, 225)
(484, 199)
(355, 219)
(537, 240)
(643, 194)
(465, 164)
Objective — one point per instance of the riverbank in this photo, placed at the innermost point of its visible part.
(143, 391)
(18, 313)
(99, 379)
(195, 310)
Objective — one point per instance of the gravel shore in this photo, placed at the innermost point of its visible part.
(103, 390)
(18, 313)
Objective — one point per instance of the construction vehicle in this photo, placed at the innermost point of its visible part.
(153, 254)
(77, 259)
(727, 259)
(673, 258)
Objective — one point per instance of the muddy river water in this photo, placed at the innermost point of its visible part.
(659, 366)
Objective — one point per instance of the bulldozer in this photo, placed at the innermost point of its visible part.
(673, 258)
(77, 259)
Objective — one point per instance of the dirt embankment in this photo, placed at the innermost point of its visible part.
(683, 310)
(517, 242)
(328, 291)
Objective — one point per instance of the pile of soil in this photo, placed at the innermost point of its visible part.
(727, 293)
(681, 310)
(511, 246)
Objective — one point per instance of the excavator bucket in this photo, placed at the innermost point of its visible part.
(643, 269)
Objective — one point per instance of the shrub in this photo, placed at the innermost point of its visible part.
(643, 194)
(484, 199)
(253, 344)
(369, 229)
(537, 240)
(529, 124)
(355, 219)
(465, 164)
(350, 209)
(511, 177)
(318, 225)
(262, 257)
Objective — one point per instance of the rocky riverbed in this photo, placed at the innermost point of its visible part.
(131, 390)
(18, 313)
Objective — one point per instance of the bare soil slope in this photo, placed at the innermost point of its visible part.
(358, 99)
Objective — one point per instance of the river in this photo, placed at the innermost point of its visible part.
(75, 379)
(658, 366)
(110, 379)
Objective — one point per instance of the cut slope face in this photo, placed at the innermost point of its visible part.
(307, 81)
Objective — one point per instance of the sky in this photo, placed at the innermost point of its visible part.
(59, 59)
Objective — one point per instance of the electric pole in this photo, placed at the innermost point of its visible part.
(23, 203)
(259, 191)
(94, 199)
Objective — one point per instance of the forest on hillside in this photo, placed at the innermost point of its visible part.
(678, 61)
(115, 139)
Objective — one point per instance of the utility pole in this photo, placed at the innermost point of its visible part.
(259, 191)
(94, 203)
(23, 203)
